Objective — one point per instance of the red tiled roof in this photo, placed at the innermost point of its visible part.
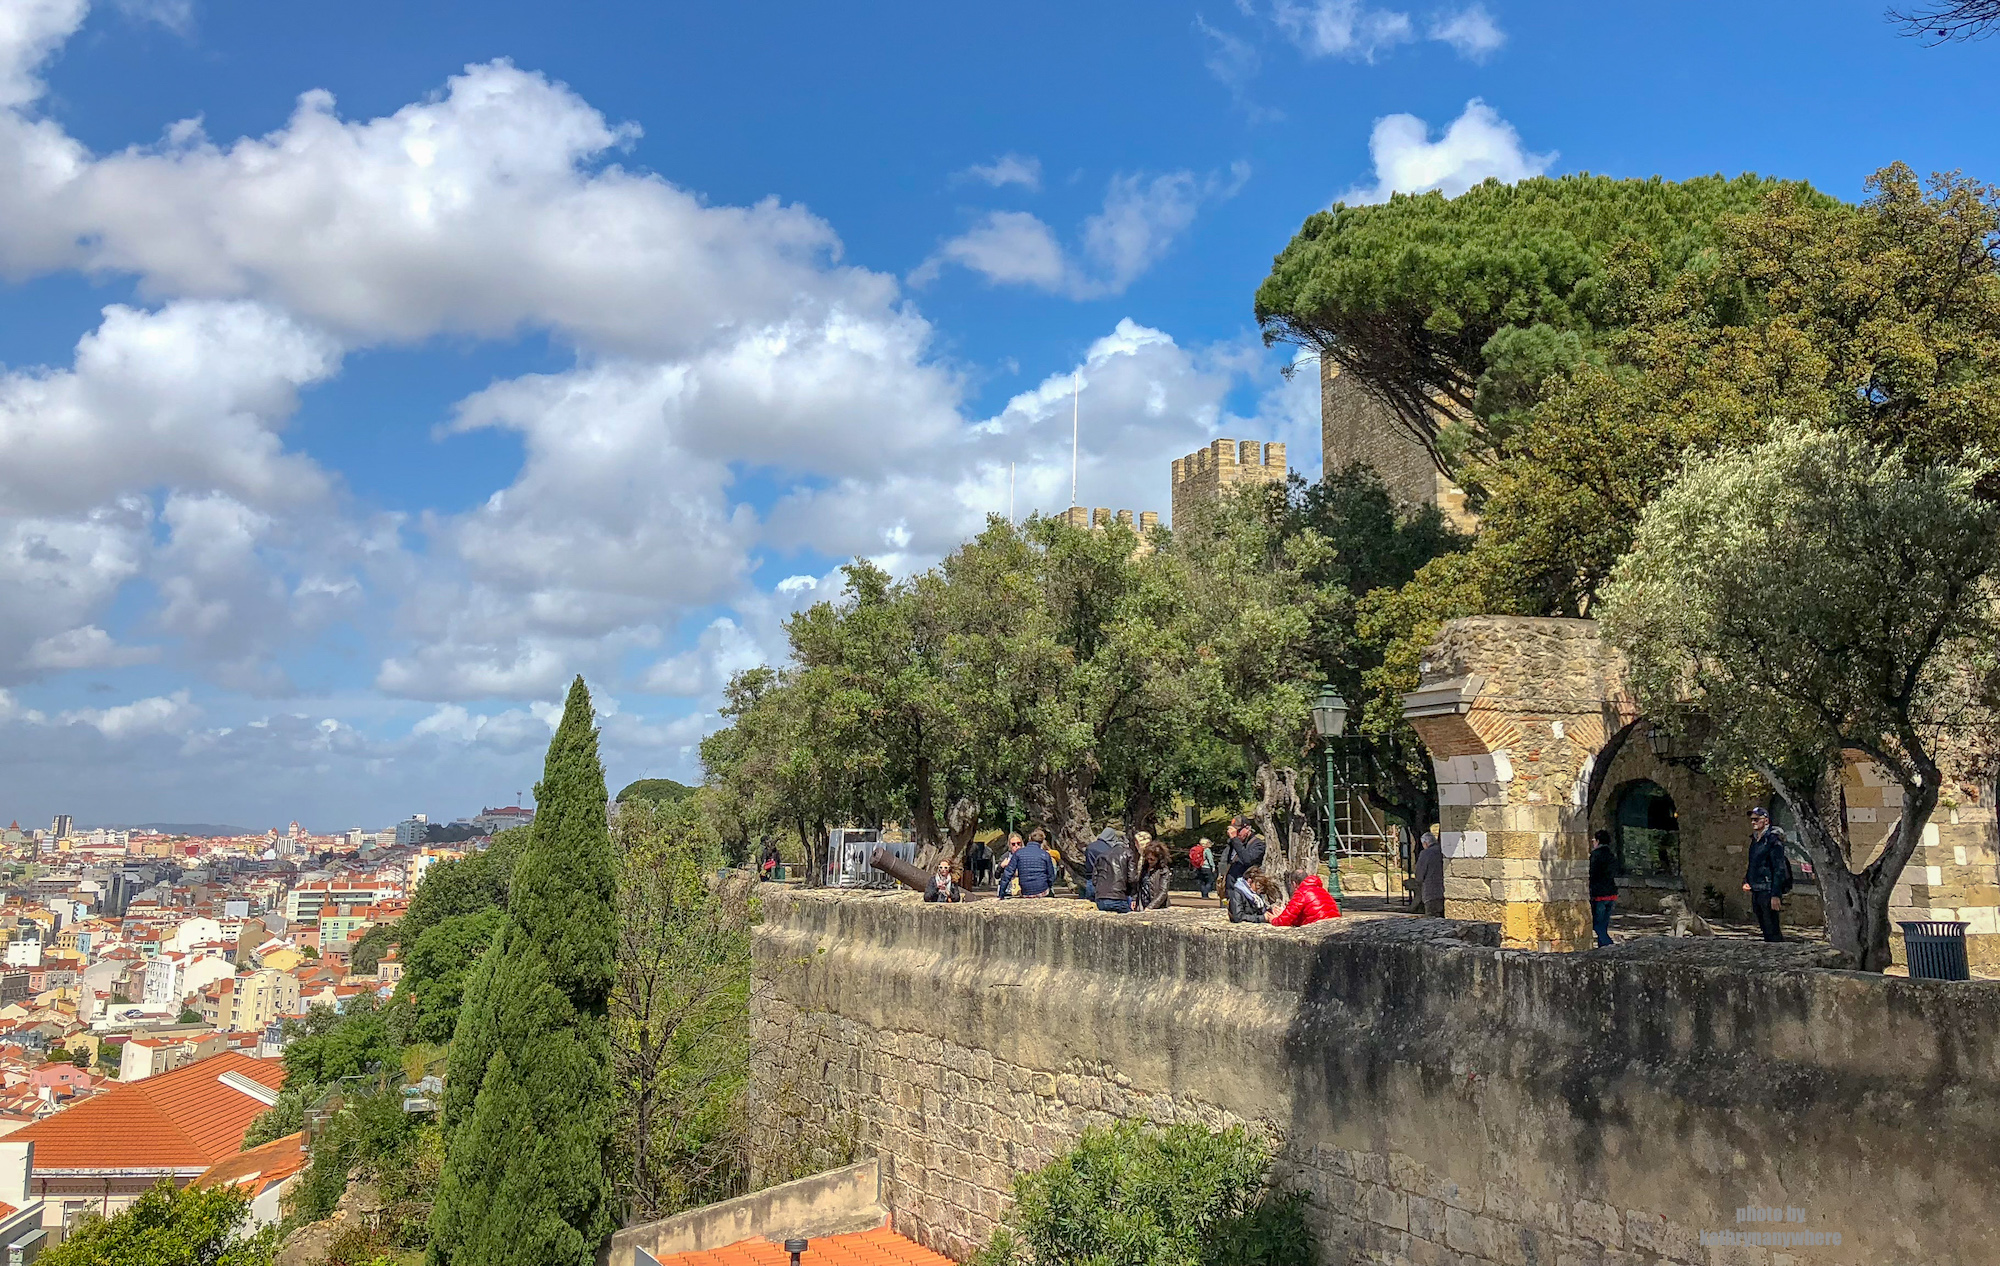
(279, 1159)
(881, 1247)
(187, 1119)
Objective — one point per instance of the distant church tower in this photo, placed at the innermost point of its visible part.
(1356, 427)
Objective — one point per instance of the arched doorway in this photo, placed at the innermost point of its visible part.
(1647, 830)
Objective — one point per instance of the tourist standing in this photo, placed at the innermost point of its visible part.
(767, 869)
(1246, 849)
(1603, 886)
(1202, 858)
(1769, 876)
(1156, 872)
(1114, 872)
(1428, 871)
(1093, 853)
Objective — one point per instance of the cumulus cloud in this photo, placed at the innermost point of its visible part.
(1472, 31)
(714, 347)
(1141, 218)
(1478, 145)
(1008, 169)
(86, 647)
(163, 714)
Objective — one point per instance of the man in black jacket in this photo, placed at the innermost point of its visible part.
(1114, 872)
(1246, 849)
(1769, 875)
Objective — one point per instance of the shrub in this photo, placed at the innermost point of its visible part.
(1135, 1195)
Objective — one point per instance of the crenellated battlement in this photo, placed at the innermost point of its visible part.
(1207, 472)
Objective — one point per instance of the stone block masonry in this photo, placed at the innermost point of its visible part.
(1446, 1102)
(1207, 473)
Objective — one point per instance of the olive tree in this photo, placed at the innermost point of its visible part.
(1815, 599)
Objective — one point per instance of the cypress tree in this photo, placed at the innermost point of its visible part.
(528, 1099)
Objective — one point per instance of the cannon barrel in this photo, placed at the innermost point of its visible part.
(898, 869)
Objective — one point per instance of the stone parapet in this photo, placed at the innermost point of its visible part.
(1441, 1100)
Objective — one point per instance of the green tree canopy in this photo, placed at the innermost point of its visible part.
(679, 1015)
(656, 790)
(529, 1091)
(1453, 310)
(1816, 598)
(198, 1226)
(366, 956)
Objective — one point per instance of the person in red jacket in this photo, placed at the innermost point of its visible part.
(1310, 903)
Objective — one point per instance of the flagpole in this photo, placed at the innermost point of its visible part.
(1075, 416)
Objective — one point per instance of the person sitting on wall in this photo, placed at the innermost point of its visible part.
(1251, 896)
(1114, 873)
(944, 885)
(1156, 872)
(1310, 903)
(1603, 886)
(1029, 866)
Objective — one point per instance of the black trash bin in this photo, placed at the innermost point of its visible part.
(1936, 951)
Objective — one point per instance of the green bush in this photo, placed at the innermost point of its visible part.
(1135, 1195)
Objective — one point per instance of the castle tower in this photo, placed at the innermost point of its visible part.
(1205, 473)
(1354, 426)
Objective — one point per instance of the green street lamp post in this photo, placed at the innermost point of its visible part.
(1330, 720)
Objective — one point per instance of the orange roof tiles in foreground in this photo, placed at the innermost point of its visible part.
(184, 1120)
(259, 1167)
(881, 1247)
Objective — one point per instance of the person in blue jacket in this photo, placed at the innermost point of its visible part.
(1029, 866)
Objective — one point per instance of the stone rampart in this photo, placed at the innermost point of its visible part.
(1447, 1103)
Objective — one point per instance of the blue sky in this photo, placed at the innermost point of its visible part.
(370, 369)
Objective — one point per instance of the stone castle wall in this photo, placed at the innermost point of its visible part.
(1445, 1103)
(1207, 473)
(1354, 426)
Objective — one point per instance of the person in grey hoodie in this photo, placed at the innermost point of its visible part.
(1429, 874)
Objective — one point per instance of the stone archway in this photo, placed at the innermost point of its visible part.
(1516, 713)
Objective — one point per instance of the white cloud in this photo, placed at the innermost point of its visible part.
(163, 714)
(1341, 28)
(1478, 145)
(1141, 218)
(1356, 31)
(1008, 169)
(85, 647)
(1472, 31)
(1008, 248)
(30, 32)
(485, 210)
(176, 15)
(723, 650)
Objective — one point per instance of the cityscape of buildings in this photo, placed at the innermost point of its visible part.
(146, 982)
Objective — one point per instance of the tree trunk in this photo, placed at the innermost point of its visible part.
(961, 824)
(1857, 902)
(923, 816)
(1141, 813)
(1291, 844)
(1060, 800)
